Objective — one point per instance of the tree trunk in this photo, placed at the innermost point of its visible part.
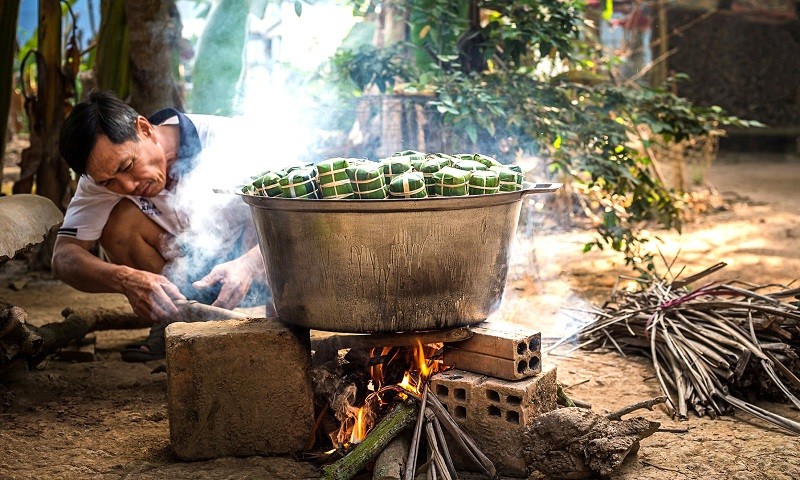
(42, 158)
(9, 11)
(155, 29)
(52, 176)
(660, 71)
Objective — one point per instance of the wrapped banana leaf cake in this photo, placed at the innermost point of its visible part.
(405, 174)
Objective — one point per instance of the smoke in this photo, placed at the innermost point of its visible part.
(274, 129)
(271, 133)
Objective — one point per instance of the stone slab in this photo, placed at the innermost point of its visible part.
(25, 220)
(238, 388)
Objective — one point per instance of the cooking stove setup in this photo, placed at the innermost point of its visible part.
(372, 276)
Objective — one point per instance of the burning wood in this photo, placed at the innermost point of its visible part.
(708, 343)
(398, 380)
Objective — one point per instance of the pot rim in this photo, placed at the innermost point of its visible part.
(397, 204)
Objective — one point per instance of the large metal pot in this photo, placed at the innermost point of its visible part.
(388, 265)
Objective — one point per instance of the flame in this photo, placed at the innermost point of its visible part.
(359, 432)
(360, 420)
(376, 371)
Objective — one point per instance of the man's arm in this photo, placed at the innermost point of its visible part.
(151, 295)
(236, 277)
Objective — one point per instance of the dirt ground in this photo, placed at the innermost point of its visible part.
(108, 419)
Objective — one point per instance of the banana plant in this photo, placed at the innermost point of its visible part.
(112, 67)
(219, 64)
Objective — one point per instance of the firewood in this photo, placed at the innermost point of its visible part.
(192, 311)
(462, 439)
(648, 404)
(413, 451)
(707, 345)
(441, 441)
(440, 465)
(79, 351)
(18, 339)
(391, 462)
(326, 346)
(400, 418)
(98, 319)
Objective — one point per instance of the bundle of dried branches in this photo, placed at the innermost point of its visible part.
(707, 345)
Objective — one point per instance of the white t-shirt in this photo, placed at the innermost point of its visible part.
(92, 203)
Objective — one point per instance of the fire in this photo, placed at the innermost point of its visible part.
(359, 432)
(417, 371)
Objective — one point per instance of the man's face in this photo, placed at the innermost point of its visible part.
(130, 168)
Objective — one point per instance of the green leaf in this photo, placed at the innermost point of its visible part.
(298, 8)
(472, 133)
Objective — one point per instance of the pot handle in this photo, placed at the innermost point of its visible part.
(541, 188)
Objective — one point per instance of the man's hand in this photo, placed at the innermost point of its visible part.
(151, 295)
(235, 276)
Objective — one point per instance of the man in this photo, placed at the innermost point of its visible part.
(132, 170)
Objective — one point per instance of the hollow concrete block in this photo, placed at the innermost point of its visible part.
(496, 412)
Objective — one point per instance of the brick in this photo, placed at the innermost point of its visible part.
(489, 365)
(238, 388)
(498, 350)
(502, 340)
(496, 412)
(455, 389)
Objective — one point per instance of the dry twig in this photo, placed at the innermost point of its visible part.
(707, 343)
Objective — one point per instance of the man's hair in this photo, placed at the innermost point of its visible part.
(102, 113)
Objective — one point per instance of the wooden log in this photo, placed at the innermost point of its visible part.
(326, 346)
(99, 319)
(577, 443)
(377, 340)
(391, 462)
(123, 319)
(191, 310)
(79, 351)
(400, 418)
(18, 339)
